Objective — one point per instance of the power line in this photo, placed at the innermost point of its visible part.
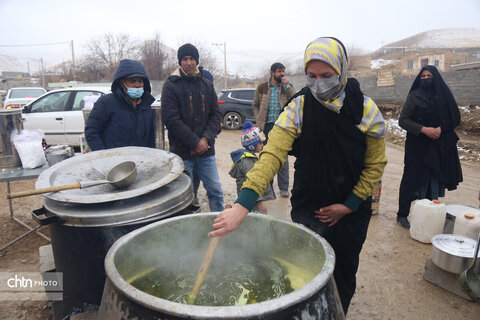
(33, 45)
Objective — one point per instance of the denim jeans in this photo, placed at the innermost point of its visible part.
(283, 174)
(206, 169)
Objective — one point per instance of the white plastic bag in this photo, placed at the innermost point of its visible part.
(29, 147)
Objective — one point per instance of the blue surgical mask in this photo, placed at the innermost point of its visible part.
(135, 93)
(323, 88)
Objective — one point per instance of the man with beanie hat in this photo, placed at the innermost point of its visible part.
(244, 159)
(270, 97)
(124, 117)
(190, 113)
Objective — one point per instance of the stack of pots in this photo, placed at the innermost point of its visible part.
(82, 231)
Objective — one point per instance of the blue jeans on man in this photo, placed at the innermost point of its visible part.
(283, 174)
(206, 169)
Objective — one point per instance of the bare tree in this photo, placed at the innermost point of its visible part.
(154, 58)
(357, 58)
(104, 54)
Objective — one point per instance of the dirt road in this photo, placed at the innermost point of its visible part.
(389, 279)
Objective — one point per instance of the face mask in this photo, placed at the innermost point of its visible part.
(426, 83)
(134, 93)
(323, 88)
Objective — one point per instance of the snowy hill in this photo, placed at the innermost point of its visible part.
(441, 38)
(257, 63)
(15, 64)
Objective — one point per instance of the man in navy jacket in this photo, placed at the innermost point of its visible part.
(190, 113)
(124, 117)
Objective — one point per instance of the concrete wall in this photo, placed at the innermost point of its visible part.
(464, 84)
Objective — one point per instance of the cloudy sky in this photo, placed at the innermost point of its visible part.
(247, 26)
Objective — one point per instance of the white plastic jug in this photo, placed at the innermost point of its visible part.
(467, 223)
(427, 219)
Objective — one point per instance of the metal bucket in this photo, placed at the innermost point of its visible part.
(159, 131)
(181, 243)
(10, 125)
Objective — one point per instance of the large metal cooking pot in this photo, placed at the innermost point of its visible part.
(181, 242)
(10, 125)
(82, 234)
(452, 252)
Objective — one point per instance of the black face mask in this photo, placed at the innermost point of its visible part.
(426, 83)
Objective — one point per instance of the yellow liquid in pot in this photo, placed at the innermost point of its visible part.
(240, 283)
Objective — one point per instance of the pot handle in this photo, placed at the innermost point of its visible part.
(47, 220)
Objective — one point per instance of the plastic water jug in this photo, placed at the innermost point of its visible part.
(467, 223)
(427, 219)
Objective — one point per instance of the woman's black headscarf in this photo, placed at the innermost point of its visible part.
(441, 96)
(424, 155)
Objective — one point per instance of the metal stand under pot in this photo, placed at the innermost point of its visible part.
(84, 223)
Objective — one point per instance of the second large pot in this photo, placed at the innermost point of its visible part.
(82, 234)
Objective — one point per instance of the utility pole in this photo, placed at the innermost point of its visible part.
(43, 73)
(73, 62)
(224, 60)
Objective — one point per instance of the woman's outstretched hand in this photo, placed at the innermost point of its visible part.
(229, 220)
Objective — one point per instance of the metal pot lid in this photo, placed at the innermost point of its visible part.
(164, 201)
(455, 245)
(155, 168)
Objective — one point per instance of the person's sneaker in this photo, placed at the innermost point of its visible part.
(284, 193)
(403, 221)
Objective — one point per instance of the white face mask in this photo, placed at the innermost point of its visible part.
(323, 88)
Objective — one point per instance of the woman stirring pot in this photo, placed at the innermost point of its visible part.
(337, 136)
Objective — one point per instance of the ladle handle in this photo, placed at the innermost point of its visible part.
(205, 264)
(43, 190)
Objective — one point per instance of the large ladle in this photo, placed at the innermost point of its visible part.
(469, 279)
(120, 176)
(192, 296)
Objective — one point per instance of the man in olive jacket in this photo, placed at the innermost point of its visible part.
(190, 113)
(270, 97)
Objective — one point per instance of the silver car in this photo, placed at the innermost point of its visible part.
(17, 98)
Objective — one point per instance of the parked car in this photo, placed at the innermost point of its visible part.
(17, 98)
(59, 113)
(236, 107)
(158, 100)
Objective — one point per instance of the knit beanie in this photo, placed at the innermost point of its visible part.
(187, 49)
(251, 136)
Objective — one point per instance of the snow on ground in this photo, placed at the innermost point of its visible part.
(378, 63)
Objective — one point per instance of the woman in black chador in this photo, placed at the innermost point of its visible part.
(429, 116)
